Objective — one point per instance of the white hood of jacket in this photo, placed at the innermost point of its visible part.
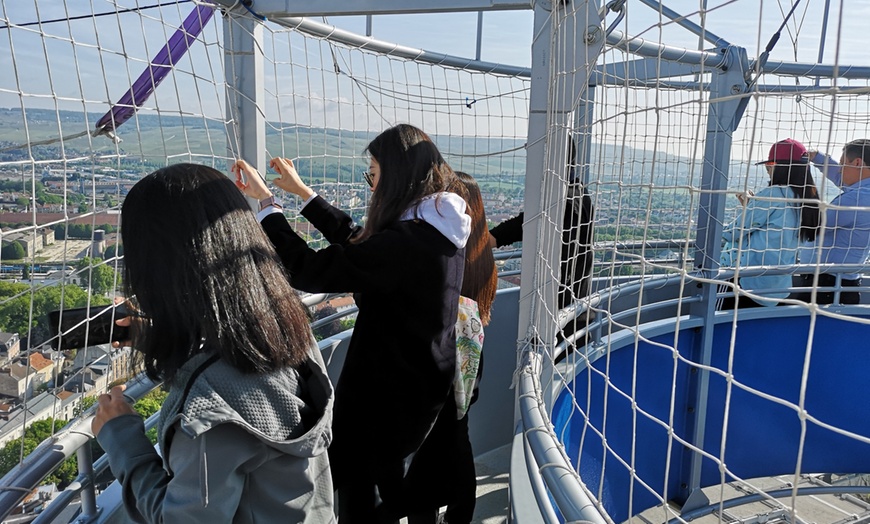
(446, 213)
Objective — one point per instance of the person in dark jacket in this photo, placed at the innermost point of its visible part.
(405, 268)
(244, 430)
(575, 264)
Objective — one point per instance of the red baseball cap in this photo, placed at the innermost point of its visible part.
(788, 151)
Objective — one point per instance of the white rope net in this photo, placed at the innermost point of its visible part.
(62, 185)
(642, 171)
(639, 392)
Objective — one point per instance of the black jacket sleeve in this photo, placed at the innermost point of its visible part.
(509, 231)
(336, 226)
(372, 265)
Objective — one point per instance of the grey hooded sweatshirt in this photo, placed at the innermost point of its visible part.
(240, 448)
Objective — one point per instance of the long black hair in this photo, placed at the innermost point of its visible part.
(798, 178)
(206, 276)
(411, 167)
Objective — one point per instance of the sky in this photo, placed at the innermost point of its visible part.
(506, 35)
(87, 64)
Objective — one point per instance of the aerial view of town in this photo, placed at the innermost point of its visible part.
(59, 223)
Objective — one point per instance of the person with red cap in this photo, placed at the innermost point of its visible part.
(846, 236)
(770, 225)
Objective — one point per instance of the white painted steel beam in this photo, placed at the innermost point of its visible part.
(270, 8)
(334, 34)
(245, 95)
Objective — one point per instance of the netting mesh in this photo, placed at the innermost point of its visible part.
(652, 388)
(628, 377)
(63, 184)
(326, 101)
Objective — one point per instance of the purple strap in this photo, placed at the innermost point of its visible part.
(157, 70)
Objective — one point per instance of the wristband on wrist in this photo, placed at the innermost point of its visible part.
(269, 201)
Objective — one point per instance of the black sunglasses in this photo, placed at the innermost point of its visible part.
(369, 178)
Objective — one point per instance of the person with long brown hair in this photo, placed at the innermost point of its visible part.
(405, 267)
(480, 279)
(448, 446)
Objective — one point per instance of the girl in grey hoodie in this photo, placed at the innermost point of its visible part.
(245, 427)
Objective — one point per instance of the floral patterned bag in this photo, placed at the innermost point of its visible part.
(469, 344)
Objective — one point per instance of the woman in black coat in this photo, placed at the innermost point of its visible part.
(405, 268)
(575, 263)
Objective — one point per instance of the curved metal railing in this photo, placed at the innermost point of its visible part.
(553, 477)
(50, 454)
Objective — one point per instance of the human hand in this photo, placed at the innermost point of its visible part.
(249, 181)
(290, 180)
(110, 405)
(124, 322)
(743, 198)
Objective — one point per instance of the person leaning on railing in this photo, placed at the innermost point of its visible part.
(846, 235)
(244, 430)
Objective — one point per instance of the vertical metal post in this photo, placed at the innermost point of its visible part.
(567, 41)
(725, 111)
(479, 34)
(85, 459)
(823, 36)
(368, 25)
(538, 104)
(243, 66)
(583, 133)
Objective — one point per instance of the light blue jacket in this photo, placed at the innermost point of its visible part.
(846, 237)
(764, 233)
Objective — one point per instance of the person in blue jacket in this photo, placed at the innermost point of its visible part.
(770, 225)
(846, 236)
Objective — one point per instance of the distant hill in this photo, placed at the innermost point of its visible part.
(151, 139)
(322, 153)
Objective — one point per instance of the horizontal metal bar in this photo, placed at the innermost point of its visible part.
(316, 298)
(341, 36)
(775, 494)
(507, 255)
(270, 8)
(616, 39)
(821, 70)
(649, 49)
(642, 70)
(639, 46)
(335, 316)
